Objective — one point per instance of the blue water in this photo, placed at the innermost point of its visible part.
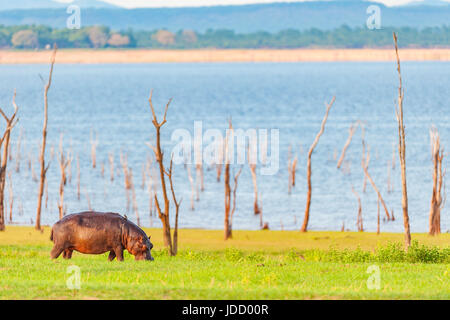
(112, 101)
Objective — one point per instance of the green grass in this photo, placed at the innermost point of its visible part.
(254, 265)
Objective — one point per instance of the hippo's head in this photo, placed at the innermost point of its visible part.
(141, 248)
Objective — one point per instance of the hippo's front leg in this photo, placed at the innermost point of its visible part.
(119, 253)
(67, 254)
(112, 256)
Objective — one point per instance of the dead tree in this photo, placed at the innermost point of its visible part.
(256, 208)
(177, 209)
(365, 166)
(378, 216)
(126, 175)
(292, 168)
(229, 211)
(4, 143)
(44, 140)
(289, 169)
(438, 178)
(63, 163)
(351, 131)
(111, 165)
(46, 194)
(133, 194)
(94, 143)
(359, 219)
(163, 215)
(11, 196)
(364, 160)
(401, 149)
(143, 176)
(192, 184)
(304, 227)
(219, 163)
(78, 177)
(389, 183)
(252, 166)
(150, 189)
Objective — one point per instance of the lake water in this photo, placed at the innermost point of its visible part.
(112, 100)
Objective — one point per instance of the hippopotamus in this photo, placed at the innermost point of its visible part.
(99, 232)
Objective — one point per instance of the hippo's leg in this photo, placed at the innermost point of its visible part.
(67, 254)
(56, 251)
(112, 256)
(119, 254)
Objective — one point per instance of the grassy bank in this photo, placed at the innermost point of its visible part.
(254, 265)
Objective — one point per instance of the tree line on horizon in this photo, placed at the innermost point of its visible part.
(40, 36)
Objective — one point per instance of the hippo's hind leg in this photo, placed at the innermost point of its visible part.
(67, 254)
(112, 256)
(119, 254)
(56, 251)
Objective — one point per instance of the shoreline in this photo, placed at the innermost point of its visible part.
(92, 56)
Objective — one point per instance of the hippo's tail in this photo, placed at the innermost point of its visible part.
(51, 235)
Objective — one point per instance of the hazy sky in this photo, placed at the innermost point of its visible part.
(182, 3)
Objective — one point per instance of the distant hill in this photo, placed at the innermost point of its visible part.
(271, 17)
(50, 4)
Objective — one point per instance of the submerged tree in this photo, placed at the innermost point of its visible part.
(402, 149)
(438, 182)
(4, 143)
(44, 140)
(304, 227)
(229, 210)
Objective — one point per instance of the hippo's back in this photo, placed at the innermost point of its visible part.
(92, 219)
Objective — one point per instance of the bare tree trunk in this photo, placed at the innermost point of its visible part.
(351, 130)
(401, 150)
(63, 163)
(163, 215)
(366, 172)
(290, 170)
(359, 219)
(364, 161)
(438, 177)
(94, 143)
(177, 208)
(229, 211)
(11, 196)
(78, 177)
(133, 194)
(294, 169)
(44, 140)
(111, 165)
(191, 182)
(256, 209)
(4, 142)
(228, 230)
(378, 216)
(304, 227)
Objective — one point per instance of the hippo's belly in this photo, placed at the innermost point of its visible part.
(94, 241)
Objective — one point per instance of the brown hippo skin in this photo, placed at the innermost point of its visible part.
(99, 232)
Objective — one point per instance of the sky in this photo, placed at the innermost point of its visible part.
(191, 3)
